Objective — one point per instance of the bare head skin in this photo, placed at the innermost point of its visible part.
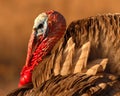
(48, 28)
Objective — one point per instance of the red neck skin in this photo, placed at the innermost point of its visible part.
(41, 50)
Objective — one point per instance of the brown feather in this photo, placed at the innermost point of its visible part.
(77, 85)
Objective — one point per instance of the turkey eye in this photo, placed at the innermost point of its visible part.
(40, 26)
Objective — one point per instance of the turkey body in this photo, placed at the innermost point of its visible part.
(85, 62)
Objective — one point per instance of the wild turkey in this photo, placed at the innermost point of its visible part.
(82, 62)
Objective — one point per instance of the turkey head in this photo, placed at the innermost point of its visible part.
(48, 29)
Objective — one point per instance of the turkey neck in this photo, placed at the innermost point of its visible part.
(41, 49)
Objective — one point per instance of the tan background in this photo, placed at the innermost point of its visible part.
(16, 20)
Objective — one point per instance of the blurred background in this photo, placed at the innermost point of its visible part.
(16, 21)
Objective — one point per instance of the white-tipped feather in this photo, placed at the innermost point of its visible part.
(68, 60)
(57, 66)
(97, 66)
(94, 69)
(104, 63)
(82, 61)
(57, 63)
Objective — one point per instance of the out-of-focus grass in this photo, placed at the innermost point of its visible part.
(16, 20)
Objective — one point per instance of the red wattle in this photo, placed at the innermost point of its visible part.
(25, 78)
